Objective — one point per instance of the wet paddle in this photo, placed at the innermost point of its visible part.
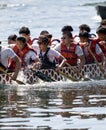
(67, 76)
(42, 76)
(18, 81)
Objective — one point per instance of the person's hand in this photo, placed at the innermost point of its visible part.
(58, 68)
(102, 43)
(36, 65)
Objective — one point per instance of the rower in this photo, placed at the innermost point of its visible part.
(71, 50)
(48, 55)
(86, 43)
(52, 42)
(25, 32)
(5, 55)
(101, 31)
(27, 54)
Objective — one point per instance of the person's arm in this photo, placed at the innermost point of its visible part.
(81, 57)
(100, 53)
(103, 58)
(57, 48)
(82, 61)
(17, 68)
(58, 56)
(63, 61)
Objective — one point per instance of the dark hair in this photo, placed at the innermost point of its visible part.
(84, 34)
(44, 39)
(46, 33)
(85, 27)
(24, 30)
(69, 34)
(22, 39)
(101, 29)
(12, 37)
(67, 28)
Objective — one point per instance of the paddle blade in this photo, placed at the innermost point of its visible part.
(43, 77)
(20, 82)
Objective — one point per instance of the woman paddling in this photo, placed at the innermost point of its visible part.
(48, 55)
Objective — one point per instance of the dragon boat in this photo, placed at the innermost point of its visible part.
(5, 79)
(92, 71)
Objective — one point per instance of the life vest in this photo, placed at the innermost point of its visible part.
(89, 59)
(30, 42)
(69, 54)
(103, 49)
(21, 55)
(45, 63)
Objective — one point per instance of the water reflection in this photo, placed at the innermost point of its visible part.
(72, 108)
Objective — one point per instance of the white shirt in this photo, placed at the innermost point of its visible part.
(52, 54)
(78, 51)
(97, 50)
(5, 54)
(35, 47)
(31, 55)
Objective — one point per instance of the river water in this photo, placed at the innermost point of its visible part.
(51, 106)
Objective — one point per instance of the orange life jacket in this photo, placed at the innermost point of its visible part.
(21, 55)
(89, 59)
(30, 41)
(69, 54)
(101, 46)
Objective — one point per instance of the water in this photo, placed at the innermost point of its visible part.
(51, 15)
(46, 106)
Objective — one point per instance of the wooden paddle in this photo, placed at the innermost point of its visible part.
(18, 81)
(100, 67)
(67, 76)
(42, 76)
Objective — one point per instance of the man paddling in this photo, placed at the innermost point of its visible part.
(71, 50)
(5, 55)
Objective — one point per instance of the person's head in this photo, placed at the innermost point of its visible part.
(101, 31)
(12, 39)
(84, 36)
(21, 42)
(43, 42)
(84, 27)
(46, 33)
(67, 28)
(24, 31)
(67, 38)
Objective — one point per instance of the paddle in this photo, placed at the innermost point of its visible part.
(85, 78)
(100, 67)
(18, 81)
(42, 76)
(67, 76)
